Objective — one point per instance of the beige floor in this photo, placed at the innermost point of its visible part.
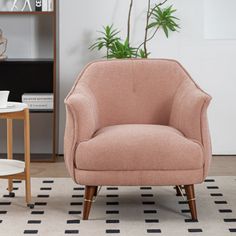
(221, 166)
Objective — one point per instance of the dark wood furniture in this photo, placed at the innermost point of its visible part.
(91, 193)
(33, 75)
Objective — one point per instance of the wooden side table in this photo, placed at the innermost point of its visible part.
(11, 169)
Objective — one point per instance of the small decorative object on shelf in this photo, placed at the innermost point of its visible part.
(43, 5)
(26, 3)
(50, 5)
(3, 46)
(3, 98)
(14, 6)
(38, 5)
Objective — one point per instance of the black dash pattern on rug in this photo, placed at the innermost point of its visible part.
(112, 231)
(194, 230)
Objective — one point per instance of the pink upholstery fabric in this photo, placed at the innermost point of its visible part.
(139, 177)
(189, 115)
(132, 91)
(139, 147)
(82, 122)
(118, 113)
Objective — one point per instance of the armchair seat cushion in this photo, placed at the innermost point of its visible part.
(132, 147)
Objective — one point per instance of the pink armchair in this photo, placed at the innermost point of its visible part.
(137, 122)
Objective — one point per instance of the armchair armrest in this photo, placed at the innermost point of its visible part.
(189, 115)
(81, 122)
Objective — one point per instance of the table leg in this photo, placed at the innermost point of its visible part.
(27, 157)
(9, 150)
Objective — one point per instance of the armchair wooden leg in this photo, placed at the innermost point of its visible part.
(88, 200)
(189, 189)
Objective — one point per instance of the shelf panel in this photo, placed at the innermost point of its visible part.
(27, 12)
(41, 111)
(27, 60)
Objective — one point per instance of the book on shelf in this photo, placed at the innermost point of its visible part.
(38, 101)
(38, 96)
(50, 5)
(44, 5)
(39, 106)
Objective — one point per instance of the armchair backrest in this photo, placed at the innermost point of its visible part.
(133, 91)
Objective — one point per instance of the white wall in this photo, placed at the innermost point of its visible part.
(210, 62)
(220, 27)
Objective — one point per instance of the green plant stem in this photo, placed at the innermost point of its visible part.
(150, 38)
(149, 14)
(129, 21)
(146, 28)
(154, 33)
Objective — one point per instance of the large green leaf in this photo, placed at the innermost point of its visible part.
(109, 36)
(164, 19)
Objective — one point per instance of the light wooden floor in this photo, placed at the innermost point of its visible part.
(221, 166)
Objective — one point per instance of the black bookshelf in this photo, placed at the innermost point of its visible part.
(39, 75)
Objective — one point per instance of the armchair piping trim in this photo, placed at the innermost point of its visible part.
(74, 144)
(204, 106)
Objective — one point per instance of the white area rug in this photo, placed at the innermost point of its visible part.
(118, 210)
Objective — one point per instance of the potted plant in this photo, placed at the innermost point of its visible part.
(158, 17)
